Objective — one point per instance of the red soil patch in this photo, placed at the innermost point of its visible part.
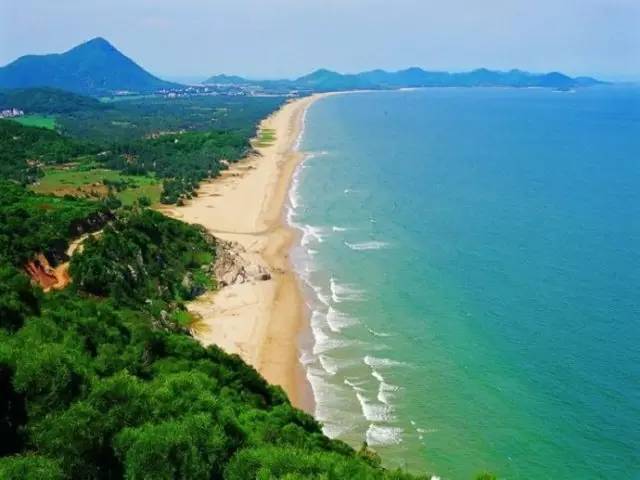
(46, 276)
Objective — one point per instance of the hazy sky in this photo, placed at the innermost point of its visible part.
(273, 38)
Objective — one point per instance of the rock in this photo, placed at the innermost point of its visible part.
(191, 288)
(232, 266)
(187, 281)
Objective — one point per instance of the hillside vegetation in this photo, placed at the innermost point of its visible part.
(102, 381)
(93, 67)
(323, 80)
(170, 144)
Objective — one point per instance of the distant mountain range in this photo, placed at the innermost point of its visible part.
(97, 68)
(92, 68)
(326, 80)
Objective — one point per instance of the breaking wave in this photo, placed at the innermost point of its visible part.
(372, 245)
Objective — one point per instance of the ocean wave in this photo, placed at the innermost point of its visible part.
(386, 391)
(328, 397)
(337, 321)
(339, 229)
(329, 364)
(294, 197)
(324, 343)
(374, 411)
(306, 358)
(314, 154)
(378, 334)
(343, 292)
(355, 386)
(372, 245)
(311, 233)
(334, 429)
(383, 435)
(377, 362)
(317, 290)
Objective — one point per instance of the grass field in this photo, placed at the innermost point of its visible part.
(79, 181)
(266, 137)
(37, 121)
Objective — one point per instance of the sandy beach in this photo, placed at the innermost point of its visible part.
(259, 320)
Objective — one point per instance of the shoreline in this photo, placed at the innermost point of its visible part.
(262, 321)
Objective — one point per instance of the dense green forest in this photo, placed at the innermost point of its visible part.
(101, 380)
(93, 67)
(46, 100)
(24, 150)
(183, 160)
(31, 223)
(180, 141)
(131, 118)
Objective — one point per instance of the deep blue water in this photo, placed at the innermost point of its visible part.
(472, 260)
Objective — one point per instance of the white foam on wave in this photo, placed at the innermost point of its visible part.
(378, 334)
(303, 127)
(374, 411)
(343, 292)
(317, 289)
(294, 197)
(338, 321)
(355, 385)
(372, 245)
(386, 391)
(324, 343)
(377, 362)
(311, 155)
(328, 397)
(339, 229)
(383, 435)
(306, 358)
(310, 234)
(329, 364)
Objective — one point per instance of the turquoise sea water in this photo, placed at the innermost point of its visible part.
(471, 259)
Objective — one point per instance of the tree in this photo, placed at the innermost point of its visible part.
(29, 467)
(17, 299)
(192, 448)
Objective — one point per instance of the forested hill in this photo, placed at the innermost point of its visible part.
(47, 100)
(102, 380)
(95, 68)
(99, 377)
(324, 80)
(166, 145)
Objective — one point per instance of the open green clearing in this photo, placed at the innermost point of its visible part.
(266, 137)
(98, 182)
(41, 121)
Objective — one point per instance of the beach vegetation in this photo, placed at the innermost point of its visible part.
(266, 137)
(170, 146)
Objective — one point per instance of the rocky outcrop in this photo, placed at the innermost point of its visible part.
(192, 288)
(233, 267)
(90, 224)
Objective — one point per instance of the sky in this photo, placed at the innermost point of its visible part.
(287, 38)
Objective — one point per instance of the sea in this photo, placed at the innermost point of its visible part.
(471, 264)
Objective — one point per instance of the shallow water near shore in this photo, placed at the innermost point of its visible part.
(471, 261)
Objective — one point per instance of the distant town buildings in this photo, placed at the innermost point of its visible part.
(11, 112)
